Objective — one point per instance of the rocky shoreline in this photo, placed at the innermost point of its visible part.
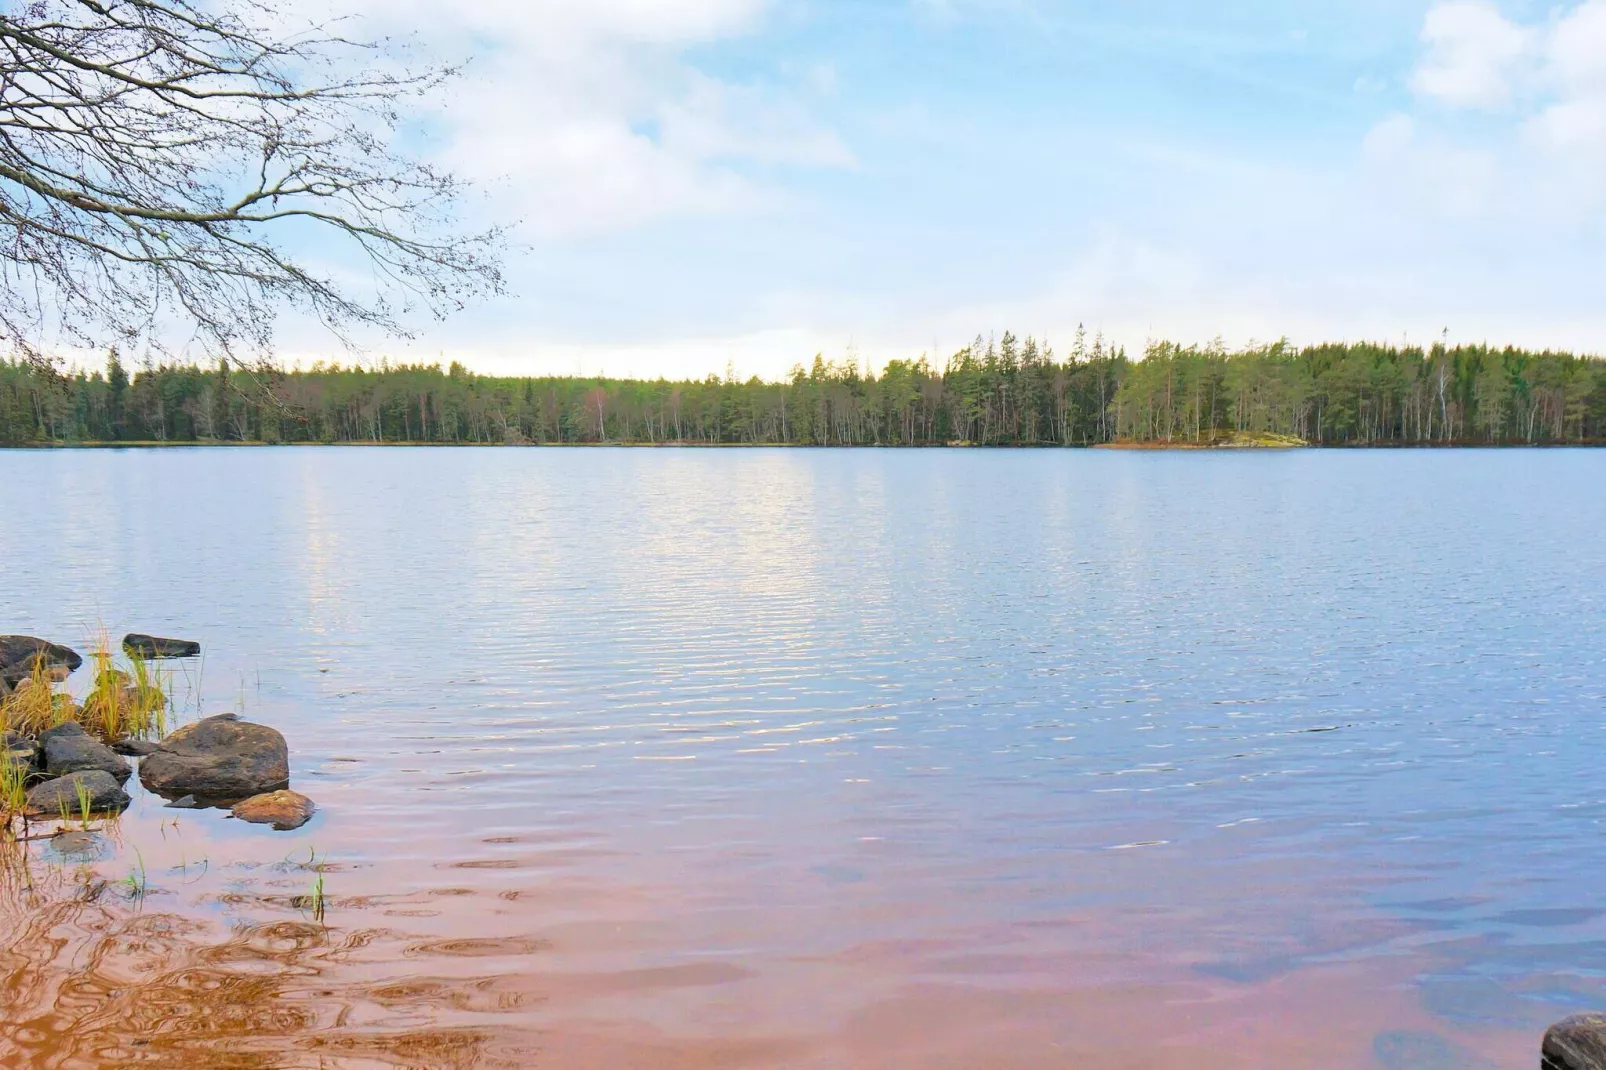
(54, 766)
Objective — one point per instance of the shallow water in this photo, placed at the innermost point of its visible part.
(635, 758)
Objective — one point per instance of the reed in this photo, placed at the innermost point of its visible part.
(127, 699)
(13, 790)
(138, 885)
(35, 704)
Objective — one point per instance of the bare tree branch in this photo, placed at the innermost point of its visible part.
(160, 158)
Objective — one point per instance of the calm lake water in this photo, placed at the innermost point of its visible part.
(694, 759)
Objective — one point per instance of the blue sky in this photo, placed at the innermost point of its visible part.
(709, 182)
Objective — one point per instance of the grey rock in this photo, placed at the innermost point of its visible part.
(54, 797)
(66, 751)
(1576, 1043)
(184, 802)
(135, 748)
(152, 646)
(64, 730)
(21, 654)
(218, 758)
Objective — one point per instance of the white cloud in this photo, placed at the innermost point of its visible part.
(1390, 139)
(1542, 150)
(1571, 126)
(1475, 55)
(585, 116)
(1577, 52)
(1429, 172)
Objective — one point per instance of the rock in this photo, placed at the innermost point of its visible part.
(65, 729)
(76, 847)
(1576, 1043)
(134, 748)
(19, 752)
(55, 797)
(218, 758)
(185, 802)
(67, 748)
(151, 646)
(21, 654)
(284, 810)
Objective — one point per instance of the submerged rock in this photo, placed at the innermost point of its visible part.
(153, 646)
(284, 810)
(134, 748)
(184, 802)
(220, 757)
(20, 655)
(76, 847)
(67, 748)
(1576, 1043)
(59, 796)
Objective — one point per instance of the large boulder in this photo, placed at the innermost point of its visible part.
(67, 748)
(152, 646)
(284, 810)
(55, 798)
(1576, 1043)
(218, 758)
(21, 655)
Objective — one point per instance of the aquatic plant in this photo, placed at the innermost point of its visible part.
(13, 789)
(315, 901)
(85, 798)
(35, 705)
(137, 883)
(122, 702)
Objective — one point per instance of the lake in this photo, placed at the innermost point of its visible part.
(809, 759)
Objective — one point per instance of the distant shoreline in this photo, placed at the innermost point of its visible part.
(1013, 393)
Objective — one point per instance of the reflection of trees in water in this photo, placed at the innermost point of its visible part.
(91, 977)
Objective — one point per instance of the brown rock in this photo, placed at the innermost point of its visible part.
(284, 810)
(1576, 1043)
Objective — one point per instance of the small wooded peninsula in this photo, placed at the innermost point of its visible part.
(1003, 391)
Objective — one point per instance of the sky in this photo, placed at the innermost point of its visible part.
(697, 185)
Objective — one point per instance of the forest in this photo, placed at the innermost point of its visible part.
(1003, 391)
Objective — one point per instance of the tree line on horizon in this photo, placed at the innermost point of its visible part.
(995, 392)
